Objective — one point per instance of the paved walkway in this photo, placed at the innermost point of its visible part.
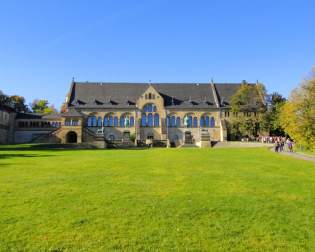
(237, 144)
(299, 155)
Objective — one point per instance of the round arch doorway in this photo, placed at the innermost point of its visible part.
(72, 137)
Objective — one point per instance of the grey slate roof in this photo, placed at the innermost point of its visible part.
(125, 95)
(72, 113)
(29, 116)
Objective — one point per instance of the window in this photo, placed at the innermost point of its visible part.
(226, 114)
(108, 121)
(99, 122)
(67, 122)
(132, 121)
(115, 121)
(144, 120)
(149, 108)
(195, 122)
(202, 121)
(92, 121)
(178, 122)
(207, 122)
(126, 121)
(212, 122)
(188, 121)
(122, 121)
(150, 120)
(156, 120)
(150, 96)
(75, 122)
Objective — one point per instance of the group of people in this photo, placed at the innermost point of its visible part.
(280, 143)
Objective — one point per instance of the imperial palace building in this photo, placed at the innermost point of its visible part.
(105, 114)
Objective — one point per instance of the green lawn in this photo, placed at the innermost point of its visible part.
(159, 199)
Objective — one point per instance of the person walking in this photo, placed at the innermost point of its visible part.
(290, 145)
(276, 146)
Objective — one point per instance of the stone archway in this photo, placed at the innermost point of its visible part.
(72, 137)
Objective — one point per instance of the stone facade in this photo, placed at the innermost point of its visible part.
(116, 114)
(7, 116)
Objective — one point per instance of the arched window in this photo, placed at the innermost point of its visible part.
(150, 96)
(144, 120)
(195, 122)
(178, 122)
(122, 121)
(187, 121)
(207, 121)
(168, 120)
(156, 120)
(202, 121)
(110, 121)
(125, 120)
(92, 121)
(115, 121)
(99, 122)
(131, 121)
(173, 121)
(212, 122)
(89, 122)
(150, 120)
(106, 123)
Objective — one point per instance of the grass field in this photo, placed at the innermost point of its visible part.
(159, 199)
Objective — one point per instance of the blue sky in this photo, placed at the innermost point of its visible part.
(43, 44)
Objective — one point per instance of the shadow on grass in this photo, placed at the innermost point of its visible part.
(9, 155)
(60, 147)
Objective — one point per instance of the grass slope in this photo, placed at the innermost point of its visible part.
(160, 199)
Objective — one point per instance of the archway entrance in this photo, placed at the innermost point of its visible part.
(72, 137)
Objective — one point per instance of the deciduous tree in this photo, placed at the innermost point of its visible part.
(298, 113)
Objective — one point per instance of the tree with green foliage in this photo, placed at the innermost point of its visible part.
(270, 122)
(298, 113)
(42, 107)
(244, 100)
(248, 96)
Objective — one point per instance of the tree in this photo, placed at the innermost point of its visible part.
(244, 100)
(15, 101)
(4, 99)
(64, 107)
(270, 120)
(18, 103)
(298, 113)
(42, 107)
(248, 96)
